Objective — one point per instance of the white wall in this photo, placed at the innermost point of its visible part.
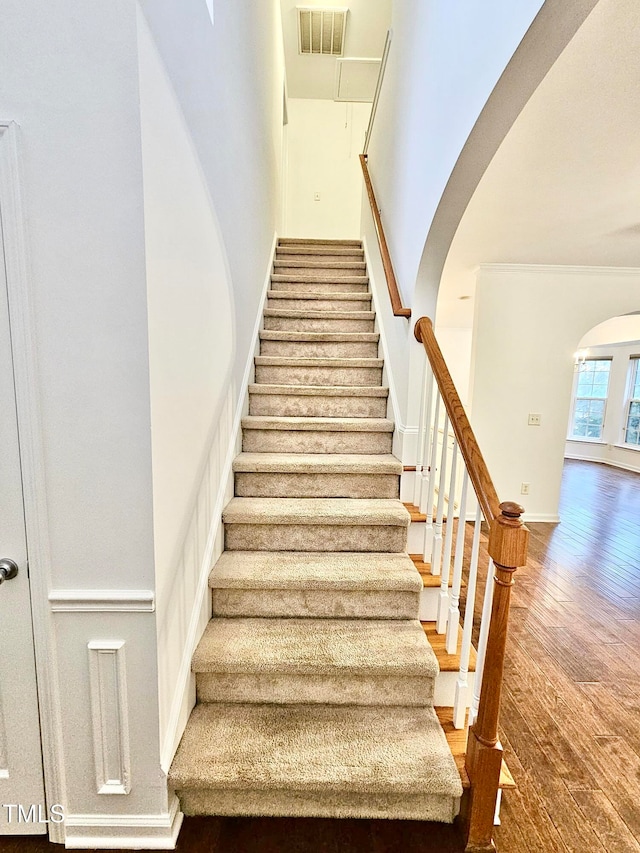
(206, 269)
(610, 448)
(69, 78)
(614, 331)
(228, 81)
(324, 139)
(528, 323)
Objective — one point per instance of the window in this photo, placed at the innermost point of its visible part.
(632, 423)
(591, 389)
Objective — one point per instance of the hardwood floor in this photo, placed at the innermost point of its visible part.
(571, 702)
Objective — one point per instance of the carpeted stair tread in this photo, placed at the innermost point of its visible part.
(315, 748)
(359, 647)
(323, 251)
(320, 278)
(317, 424)
(304, 241)
(314, 571)
(337, 296)
(301, 314)
(318, 463)
(314, 337)
(322, 390)
(288, 361)
(312, 264)
(337, 512)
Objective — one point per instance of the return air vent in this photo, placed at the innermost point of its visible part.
(321, 31)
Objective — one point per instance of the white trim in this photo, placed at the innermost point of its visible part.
(172, 735)
(110, 716)
(102, 600)
(613, 463)
(32, 460)
(558, 269)
(149, 832)
(393, 396)
(541, 517)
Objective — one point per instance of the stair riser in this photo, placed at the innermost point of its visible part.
(290, 406)
(287, 485)
(310, 441)
(341, 804)
(314, 537)
(274, 375)
(320, 349)
(310, 603)
(287, 304)
(335, 269)
(292, 689)
(319, 287)
(316, 324)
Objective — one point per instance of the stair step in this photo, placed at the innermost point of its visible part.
(296, 301)
(279, 370)
(315, 760)
(290, 584)
(303, 241)
(315, 524)
(281, 319)
(318, 400)
(320, 344)
(318, 278)
(315, 661)
(331, 475)
(265, 434)
(334, 267)
(324, 252)
(325, 285)
(447, 662)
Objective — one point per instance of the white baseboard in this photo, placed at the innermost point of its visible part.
(181, 700)
(124, 832)
(550, 518)
(612, 463)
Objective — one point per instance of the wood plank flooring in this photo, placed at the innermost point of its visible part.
(571, 702)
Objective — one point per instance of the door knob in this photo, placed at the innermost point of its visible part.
(8, 570)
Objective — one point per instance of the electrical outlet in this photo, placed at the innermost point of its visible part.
(316, 196)
(524, 488)
(534, 420)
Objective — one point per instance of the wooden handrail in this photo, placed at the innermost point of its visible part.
(508, 542)
(476, 466)
(394, 293)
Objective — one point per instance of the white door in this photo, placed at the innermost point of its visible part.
(22, 804)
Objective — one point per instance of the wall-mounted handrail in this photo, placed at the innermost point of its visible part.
(392, 284)
(376, 96)
(476, 466)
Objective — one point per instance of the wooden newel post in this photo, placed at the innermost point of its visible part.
(508, 541)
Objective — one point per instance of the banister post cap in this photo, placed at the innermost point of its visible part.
(511, 509)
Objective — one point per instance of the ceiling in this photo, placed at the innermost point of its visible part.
(314, 76)
(564, 187)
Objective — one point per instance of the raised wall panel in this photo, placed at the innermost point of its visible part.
(109, 716)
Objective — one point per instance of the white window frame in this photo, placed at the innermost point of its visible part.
(632, 372)
(575, 398)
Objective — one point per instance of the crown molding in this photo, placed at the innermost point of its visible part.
(557, 269)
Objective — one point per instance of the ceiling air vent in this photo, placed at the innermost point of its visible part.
(321, 31)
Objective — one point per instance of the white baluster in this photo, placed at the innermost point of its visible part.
(482, 643)
(422, 483)
(421, 434)
(443, 599)
(426, 502)
(436, 556)
(462, 698)
(453, 620)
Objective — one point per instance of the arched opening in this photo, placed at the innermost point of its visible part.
(604, 418)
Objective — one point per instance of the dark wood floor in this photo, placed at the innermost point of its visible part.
(571, 706)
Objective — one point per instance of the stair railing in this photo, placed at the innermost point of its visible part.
(437, 465)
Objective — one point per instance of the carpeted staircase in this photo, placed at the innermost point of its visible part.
(314, 677)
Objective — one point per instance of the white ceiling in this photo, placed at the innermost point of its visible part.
(314, 76)
(564, 187)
